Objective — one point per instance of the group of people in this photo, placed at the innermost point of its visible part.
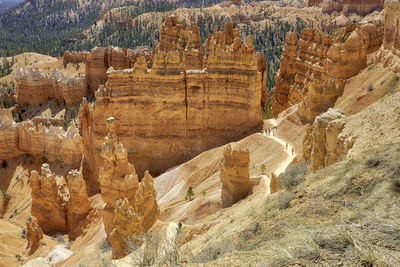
(270, 131)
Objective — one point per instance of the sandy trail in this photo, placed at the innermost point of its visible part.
(289, 150)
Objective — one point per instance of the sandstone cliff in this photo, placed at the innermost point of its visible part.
(60, 206)
(323, 143)
(389, 54)
(235, 177)
(361, 7)
(35, 87)
(51, 142)
(74, 57)
(315, 68)
(34, 235)
(100, 59)
(180, 107)
(117, 177)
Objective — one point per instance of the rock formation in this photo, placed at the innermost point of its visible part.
(117, 177)
(74, 57)
(60, 206)
(274, 185)
(323, 143)
(146, 202)
(361, 7)
(100, 59)
(389, 54)
(35, 87)
(130, 221)
(78, 205)
(51, 142)
(235, 177)
(33, 235)
(48, 202)
(127, 226)
(183, 105)
(315, 68)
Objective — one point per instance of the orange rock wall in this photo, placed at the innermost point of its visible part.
(171, 113)
(361, 7)
(315, 68)
(35, 87)
(53, 143)
(389, 54)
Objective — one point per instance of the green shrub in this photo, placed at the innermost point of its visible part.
(4, 194)
(189, 194)
(284, 199)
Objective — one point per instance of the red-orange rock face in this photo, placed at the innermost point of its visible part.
(35, 87)
(34, 235)
(60, 206)
(390, 51)
(51, 142)
(361, 7)
(180, 107)
(315, 68)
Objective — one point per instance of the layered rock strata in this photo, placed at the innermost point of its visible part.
(130, 221)
(74, 57)
(60, 206)
(117, 177)
(389, 54)
(52, 143)
(35, 87)
(235, 177)
(183, 105)
(99, 59)
(323, 143)
(315, 68)
(34, 235)
(361, 7)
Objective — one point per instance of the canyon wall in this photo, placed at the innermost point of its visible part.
(361, 7)
(35, 87)
(183, 105)
(389, 54)
(51, 142)
(315, 68)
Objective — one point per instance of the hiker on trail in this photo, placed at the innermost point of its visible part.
(286, 145)
(292, 151)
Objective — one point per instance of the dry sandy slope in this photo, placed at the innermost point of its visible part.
(202, 173)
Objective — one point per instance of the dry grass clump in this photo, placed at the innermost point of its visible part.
(293, 175)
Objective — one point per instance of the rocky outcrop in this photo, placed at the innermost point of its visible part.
(49, 201)
(98, 60)
(74, 57)
(146, 202)
(324, 144)
(128, 225)
(34, 235)
(389, 54)
(35, 87)
(180, 107)
(117, 177)
(274, 185)
(361, 7)
(131, 221)
(235, 177)
(78, 206)
(60, 206)
(52, 143)
(315, 68)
